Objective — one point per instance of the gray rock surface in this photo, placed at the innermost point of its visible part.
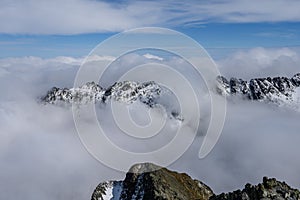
(147, 181)
(268, 190)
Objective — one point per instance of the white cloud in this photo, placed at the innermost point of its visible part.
(74, 16)
(250, 11)
(31, 61)
(87, 16)
(261, 62)
(41, 155)
(150, 56)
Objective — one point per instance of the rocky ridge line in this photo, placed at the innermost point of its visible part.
(148, 181)
(125, 92)
(148, 93)
(277, 90)
(270, 188)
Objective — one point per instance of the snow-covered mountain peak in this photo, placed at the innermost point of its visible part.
(148, 93)
(124, 92)
(279, 90)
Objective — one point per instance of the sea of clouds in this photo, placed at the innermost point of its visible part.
(41, 156)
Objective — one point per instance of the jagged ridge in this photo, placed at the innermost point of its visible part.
(269, 189)
(125, 92)
(149, 93)
(277, 89)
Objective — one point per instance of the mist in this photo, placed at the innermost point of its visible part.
(42, 157)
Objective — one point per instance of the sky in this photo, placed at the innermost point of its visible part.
(43, 44)
(73, 27)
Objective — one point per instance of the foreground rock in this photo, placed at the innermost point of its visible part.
(150, 182)
(269, 189)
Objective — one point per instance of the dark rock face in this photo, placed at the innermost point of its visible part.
(273, 89)
(148, 181)
(269, 189)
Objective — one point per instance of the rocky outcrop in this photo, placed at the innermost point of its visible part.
(277, 89)
(148, 181)
(268, 190)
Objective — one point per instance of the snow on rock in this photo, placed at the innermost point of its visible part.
(124, 92)
(109, 190)
(89, 92)
(149, 93)
(278, 90)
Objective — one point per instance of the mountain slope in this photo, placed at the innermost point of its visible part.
(125, 92)
(149, 94)
(279, 90)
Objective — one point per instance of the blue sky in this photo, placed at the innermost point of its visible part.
(75, 27)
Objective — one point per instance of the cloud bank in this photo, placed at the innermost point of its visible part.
(42, 158)
(87, 16)
(261, 62)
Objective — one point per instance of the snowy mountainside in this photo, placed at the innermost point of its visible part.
(278, 90)
(149, 93)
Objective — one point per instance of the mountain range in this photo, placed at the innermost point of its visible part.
(277, 90)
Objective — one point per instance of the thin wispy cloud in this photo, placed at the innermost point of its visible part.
(288, 35)
(261, 62)
(86, 16)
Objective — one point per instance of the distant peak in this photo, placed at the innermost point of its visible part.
(278, 90)
(148, 93)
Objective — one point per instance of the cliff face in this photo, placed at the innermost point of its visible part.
(150, 182)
